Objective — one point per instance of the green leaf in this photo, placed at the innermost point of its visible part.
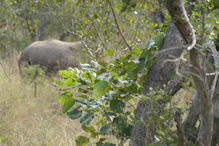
(159, 40)
(87, 118)
(100, 142)
(150, 44)
(132, 88)
(81, 140)
(74, 113)
(67, 105)
(69, 82)
(109, 52)
(83, 82)
(117, 105)
(87, 67)
(136, 51)
(65, 74)
(100, 87)
(88, 128)
(65, 96)
(81, 103)
(105, 129)
(129, 66)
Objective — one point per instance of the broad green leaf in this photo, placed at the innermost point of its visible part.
(129, 66)
(109, 52)
(83, 82)
(87, 67)
(159, 40)
(81, 140)
(74, 113)
(132, 88)
(81, 103)
(150, 44)
(117, 105)
(67, 105)
(87, 118)
(136, 51)
(88, 128)
(65, 96)
(83, 96)
(105, 129)
(65, 74)
(69, 82)
(100, 142)
(100, 87)
(59, 83)
(91, 130)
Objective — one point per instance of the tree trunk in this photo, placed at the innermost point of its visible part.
(159, 75)
(178, 13)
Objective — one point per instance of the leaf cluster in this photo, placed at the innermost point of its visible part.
(106, 91)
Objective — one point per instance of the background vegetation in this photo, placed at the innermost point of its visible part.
(29, 118)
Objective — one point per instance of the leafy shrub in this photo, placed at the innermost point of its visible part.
(107, 90)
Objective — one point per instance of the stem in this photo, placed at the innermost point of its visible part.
(117, 25)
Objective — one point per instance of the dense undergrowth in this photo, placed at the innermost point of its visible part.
(29, 120)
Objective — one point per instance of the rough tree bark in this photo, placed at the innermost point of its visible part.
(160, 74)
(178, 13)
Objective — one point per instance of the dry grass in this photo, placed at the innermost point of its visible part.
(26, 120)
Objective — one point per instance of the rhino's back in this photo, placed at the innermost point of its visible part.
(53, 54)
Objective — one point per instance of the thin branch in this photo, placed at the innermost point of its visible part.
(214, 84)
(117, 25)
(93, 24)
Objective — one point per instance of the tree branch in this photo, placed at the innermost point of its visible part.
(117, 25)
(180, 18)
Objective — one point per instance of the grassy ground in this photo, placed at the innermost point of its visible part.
(26, 120)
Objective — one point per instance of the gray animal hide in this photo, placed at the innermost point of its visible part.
(52, 55)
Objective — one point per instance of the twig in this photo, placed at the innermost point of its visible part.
(93, 24)
(176, 61)
(117, 25)
(212, 73)
(214, 85)
(35, 88)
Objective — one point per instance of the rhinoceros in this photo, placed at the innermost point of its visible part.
(52, 55)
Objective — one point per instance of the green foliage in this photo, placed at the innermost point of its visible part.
(82, 141)
(74, 113)
(33, 73)
(100, 87)
(210, 10)
(67, 105)
(105, 91)
(109, 52)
